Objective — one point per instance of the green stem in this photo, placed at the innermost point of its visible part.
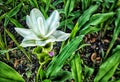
(37, 76)
(7, 54)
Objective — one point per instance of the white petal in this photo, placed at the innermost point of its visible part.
(43, 43)
(29, 22)
(42, 26)
(60, 35)
(32, 25)
(53, 21)
(26, 33)
(54, 17)
(51, 31)
(34, 15)
(26, 43)
(40, 43)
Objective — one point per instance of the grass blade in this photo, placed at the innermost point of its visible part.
(12, 12)
(109, 74)
(62, 76)
(15, 22)
(57, 63)
(34, 3)
(8, 74)
(86, 15)
(21, 48)
(109, 66)
(74, 31)
(71, 7)
(97, 19)
(116, 32)
(67, 8)
(76, 68)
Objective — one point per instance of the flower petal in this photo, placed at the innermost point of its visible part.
(43, 43)
(26, 43)
(34, 15)
(29, 22)
(42, 26)
(27, 33)
(40, 43)
(60, 35)
(52, 30)
(53, 21)
(51, 53)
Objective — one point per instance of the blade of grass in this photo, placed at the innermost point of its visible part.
(62, 76)
(116, 32)
(47, 5)
(5, 51)
(57, 63)
(3, 46)
(86, 15)
(85, 3)
(109, 74)
(71, 7)
(15, 22)
(21, 48)
(66, 8)
(109, 66)
(43, 12)
(97, 19)
(6, 47)
(73, 33)
(8, 74)
(34, 3)
(76, 68)
(1, 42)
(15, 10)
(12, 12)
(55, 3)
(91, 29)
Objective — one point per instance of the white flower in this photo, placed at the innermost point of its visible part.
(41, 31)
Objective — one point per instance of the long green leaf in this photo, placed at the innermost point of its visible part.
(8, 74)
(71, 7)
(91, 29)
(116, 32)
(62, 76)
(100, 17)
(2, 44)
(57, 2)
(74, 31)
(15, 10)
(88, 71)
(86, 15)
(12, 12)
(34, 3)
(76, 68)
(97, 19)
(85, 3)
(15, 22)
(47, 5)
(57, 63)
(67, 7)
(108, 75)
(108, 65)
